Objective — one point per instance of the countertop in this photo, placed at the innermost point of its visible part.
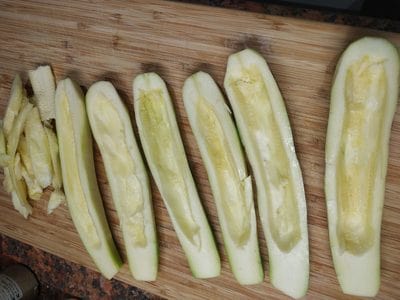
(60, 278)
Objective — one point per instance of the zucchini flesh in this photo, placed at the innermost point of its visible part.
(18, 186)
(38, 148)
(265, 131)
(168, 164)
(112, 130)
(363, 102)
(221, 151)
(79, 178)
(15, 103)
(4, 158)
(34, 190)
(55, 158)
(43, 85)
(57, 195)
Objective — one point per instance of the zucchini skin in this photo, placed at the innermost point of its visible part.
(359, 274)
(142, 260)
(203, 257)
(106, 256)
(289, 268)
(244, 259)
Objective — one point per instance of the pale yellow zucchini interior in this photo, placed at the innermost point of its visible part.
(164, 152)
(232, 187)
(116, 155)
(255, 105)
(76, 196)
(365, 98)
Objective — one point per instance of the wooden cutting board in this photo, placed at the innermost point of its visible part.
(117, 40)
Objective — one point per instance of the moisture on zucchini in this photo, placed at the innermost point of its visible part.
(221, 151)
(265, 130)
(166, 157)
(112, 130)
(79, 178)
(363, 101)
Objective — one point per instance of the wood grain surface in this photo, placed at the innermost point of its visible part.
(115, 40)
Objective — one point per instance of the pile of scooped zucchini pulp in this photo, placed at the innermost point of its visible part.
(363, 101)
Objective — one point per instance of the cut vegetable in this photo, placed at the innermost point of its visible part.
(363, 102)
(20, 204)
(18, 192)
(35, 192)
(79, 178)
(17, 130)
(55, 158)
(14, 104)
(112, 129)
(17, 166)
(34, 189)
(16, 116)
(265, 131)
(221, 151)
(7, 184)
(166, 157)
(13, 184)
(57, 197)
(24, 152)
(4, 158)
(38, 147)
(43, 85)
(7, 180)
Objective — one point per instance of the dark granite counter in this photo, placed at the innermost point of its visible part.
(59, 278)
(321, 15)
